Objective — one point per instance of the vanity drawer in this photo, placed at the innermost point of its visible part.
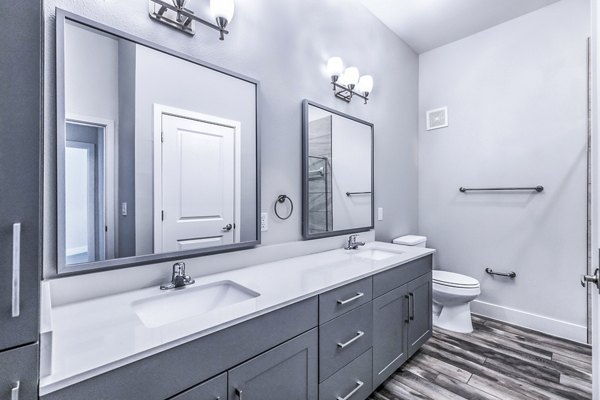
(344, 338)
(341, 300)
(353, 382)
(402, 274)
(213, 389)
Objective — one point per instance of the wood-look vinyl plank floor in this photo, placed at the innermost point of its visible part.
(498, 361)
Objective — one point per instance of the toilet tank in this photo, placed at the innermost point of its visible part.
(411, 240)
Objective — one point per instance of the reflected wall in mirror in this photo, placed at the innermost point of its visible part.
(151, 164)
(337, 172)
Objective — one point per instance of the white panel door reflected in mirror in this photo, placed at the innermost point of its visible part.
(197, 152)
(150, 162)
(338, 162)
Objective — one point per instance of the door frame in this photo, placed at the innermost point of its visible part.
(159, 111)
(109, 201)
(595, 203)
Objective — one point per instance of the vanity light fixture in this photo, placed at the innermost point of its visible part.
(176, 14)
(344, 81)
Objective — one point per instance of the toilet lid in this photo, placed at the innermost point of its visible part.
(447, 278)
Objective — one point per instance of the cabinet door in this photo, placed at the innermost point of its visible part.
(288, 371)
(18, 373)
(420, 313)
(390, 327)
(20, 85)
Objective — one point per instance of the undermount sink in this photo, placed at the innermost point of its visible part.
(179, 304)
(375, 255)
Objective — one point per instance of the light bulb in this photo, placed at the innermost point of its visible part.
(343, 79)
(352, 74)
(222, 10)
(335, 67)
(365, 84)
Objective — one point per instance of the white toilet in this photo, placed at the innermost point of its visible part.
(452, 294)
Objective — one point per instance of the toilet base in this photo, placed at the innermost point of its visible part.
(453, 318)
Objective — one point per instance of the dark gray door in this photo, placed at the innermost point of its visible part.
(420, 313)
(288, 371)
(20, 119)
(18, 373)
(390, 326)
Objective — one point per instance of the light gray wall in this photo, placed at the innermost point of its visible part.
(285, 45)
(517, 102)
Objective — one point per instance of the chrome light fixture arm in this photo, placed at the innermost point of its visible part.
(346, 93)
(185, 17)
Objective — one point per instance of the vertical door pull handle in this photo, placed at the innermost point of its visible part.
(238, 393)
(412, 308)
(359, 384)
(14, 392)
(407, 319)
(16, 271)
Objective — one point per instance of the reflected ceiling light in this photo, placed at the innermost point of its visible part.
(176, 14)
(344, 81)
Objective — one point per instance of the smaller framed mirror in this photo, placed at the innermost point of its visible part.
(337, 172)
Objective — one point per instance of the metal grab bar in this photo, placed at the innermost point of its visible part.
(538, 189)
(356, 193)
(511, 274)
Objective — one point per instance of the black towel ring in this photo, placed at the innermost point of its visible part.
(280, 200)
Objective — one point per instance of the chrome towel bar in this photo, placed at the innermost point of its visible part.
(356, 193)
(538, 189)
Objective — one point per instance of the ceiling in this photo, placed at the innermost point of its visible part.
(427, 24)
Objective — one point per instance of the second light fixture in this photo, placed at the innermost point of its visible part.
(345, 81)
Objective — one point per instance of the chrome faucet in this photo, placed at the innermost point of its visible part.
(179, 279)
(352, 244)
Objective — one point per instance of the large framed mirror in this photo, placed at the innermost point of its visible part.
(151, 164)
(337, 171)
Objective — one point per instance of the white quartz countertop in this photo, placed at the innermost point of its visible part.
(98, 335)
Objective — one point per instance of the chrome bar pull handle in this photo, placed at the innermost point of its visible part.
(412, 307)
(16, 271)
(14, 392)
(359, 384)
(407, 319)
(238, 393)
(351, 299)
(359, 334)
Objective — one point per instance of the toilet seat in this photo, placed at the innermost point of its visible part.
(451, 279)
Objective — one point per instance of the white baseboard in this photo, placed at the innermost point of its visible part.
(536, 322)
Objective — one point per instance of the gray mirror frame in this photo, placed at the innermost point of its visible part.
(62, 268)
(305, 136)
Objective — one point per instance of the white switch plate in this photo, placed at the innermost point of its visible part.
(264, 222)
(380, 214)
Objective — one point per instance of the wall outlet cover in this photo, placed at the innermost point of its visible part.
(264, 222)
(380, 214)
(437, 118)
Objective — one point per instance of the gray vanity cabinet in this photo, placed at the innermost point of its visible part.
(18, 373)
(20, 134)
(390, 327)
(402, 315)
(288, 371)
(420, 314)
(20, 113)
